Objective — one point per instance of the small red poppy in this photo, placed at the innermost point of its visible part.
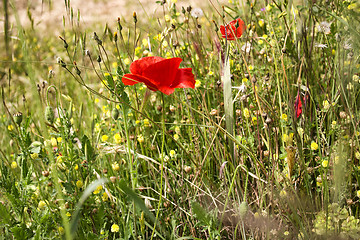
(298, 105)
(234, 29)
(160, 74)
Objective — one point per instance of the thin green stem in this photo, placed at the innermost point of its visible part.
(161, 166)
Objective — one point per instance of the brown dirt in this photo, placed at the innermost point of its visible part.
(50, 17)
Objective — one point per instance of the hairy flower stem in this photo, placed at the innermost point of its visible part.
(129, 158)
(162, 165)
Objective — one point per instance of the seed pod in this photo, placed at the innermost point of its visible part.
(49, 115)
(18, 118)
(115, 113)
(243, 209)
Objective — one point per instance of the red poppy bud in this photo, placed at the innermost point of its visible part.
(298, 105)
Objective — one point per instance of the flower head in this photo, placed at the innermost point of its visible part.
(41, 204)
(233, 30)
(197, 12)
(160, 74)
(14, 165)
(325, 163)
(324, 27)
(314, 146)
(115, 228)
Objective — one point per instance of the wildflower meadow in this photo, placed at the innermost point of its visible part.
(210, 119)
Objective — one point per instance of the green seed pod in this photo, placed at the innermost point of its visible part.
(115, 113)
(49, 115)
(18, 117)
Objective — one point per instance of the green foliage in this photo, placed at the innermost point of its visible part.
(82, 156)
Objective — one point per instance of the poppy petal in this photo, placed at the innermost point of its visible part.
(184, 79)
(241, 28)
(163, 73)
(138, 66)
(233, 29)
(166, 89)
(222, 30)
(298, 105)
(131, 79)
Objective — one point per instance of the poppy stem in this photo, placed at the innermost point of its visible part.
(162, 155)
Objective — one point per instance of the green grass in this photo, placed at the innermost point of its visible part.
(90, 158)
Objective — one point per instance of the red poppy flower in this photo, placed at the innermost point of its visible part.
(160, 74)
(234, 29)
(298, 105)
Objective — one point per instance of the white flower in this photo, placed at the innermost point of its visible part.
(324, 27)
(246, 47)
(197, 12)
(347, 44)
(320, 45)
(241, 88)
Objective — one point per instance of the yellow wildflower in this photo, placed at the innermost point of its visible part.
(41, 204)
(314, 146)
(13, 165)
(326, 104)
(79, 183)
(117, 138)
(105, 197)
(197, 83)
(61, 230)
(98, 189)
(325, 163)
(172, 153)
(115, 228)
(104, 138)
(176, 136)
(127, 61)
(246, 113)
(261, 23)
(140, 138)
(53, 142)
(146, 122)
(115, 166)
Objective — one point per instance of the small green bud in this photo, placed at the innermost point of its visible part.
(115, 37)
(77, 70)
(119, 25)
(115, 113)
(18, 117)
(49, 115)
(66, 45)
(97, 39)
(135, 17)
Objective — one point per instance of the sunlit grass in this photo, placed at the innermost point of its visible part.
(265, 146)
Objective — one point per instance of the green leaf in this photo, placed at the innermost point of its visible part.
(87, 149)
(88, 191)
(200, 213)
(5, 216)
(137, 200)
